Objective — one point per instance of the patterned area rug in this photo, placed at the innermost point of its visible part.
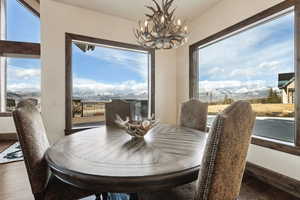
(11, 154)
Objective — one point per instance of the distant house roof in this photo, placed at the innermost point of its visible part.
(284, 79)
(12, 95)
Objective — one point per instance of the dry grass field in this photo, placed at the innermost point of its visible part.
(91, 119)
(92, 113)
(270, 110)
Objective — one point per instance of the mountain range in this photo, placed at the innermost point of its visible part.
(235, 94)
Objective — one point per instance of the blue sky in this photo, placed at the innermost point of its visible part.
(250, 60)
(22, 25)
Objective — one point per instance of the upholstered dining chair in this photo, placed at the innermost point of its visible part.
(122, 108)
(193, 114)
(224, 159)
(34, 143)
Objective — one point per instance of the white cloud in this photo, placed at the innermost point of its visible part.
(92, 87)
(23, 87)
(28, 80)
(23, 79)
(238, 86)
(270, 66)
(243, 72)
(265, 68)
(216, 70)
(22, 73)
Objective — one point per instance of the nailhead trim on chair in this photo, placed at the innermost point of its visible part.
(215, 138)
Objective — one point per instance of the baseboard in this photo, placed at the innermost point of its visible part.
(282, 182)
(8, 136)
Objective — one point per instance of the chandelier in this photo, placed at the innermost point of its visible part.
(161, 30)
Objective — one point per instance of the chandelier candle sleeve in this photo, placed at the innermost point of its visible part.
(179, 22)
(161, 29)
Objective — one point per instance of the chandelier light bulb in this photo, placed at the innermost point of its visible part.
(179, 22)
(146, 23)
(162, 19)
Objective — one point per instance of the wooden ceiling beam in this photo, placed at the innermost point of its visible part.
(29, 4)
(19, 49)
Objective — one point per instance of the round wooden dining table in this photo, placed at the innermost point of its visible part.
(108, 159)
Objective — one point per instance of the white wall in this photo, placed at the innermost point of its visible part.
(7, 125)
(165, 88)
(223, 15)
(56, 19)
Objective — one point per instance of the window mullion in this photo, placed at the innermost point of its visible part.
(297, 71)
(2, 59)
(194, 75)
(2, 84)
(2, 20)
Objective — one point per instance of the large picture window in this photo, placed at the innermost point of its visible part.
(102, 74)
(102, 71)
(20, 68)
(256, 65)
(255, 61)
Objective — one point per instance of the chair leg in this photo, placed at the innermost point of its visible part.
(133, 196)
(98, 196)
(104, 196)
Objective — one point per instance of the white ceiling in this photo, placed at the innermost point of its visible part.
(135, 9)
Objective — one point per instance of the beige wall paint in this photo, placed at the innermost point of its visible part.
(165, 88)
(56, 19)
(7, 125)
(223, 15)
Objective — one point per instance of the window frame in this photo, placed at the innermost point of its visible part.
(14, 49)
(291, 148)
(69, 38)
(30, 8)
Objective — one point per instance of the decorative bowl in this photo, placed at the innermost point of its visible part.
(136, 128)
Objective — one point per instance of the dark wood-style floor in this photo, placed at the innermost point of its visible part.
(15, 184)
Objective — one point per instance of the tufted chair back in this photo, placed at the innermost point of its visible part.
(34, 143)
(224, 160)
(193, 114)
